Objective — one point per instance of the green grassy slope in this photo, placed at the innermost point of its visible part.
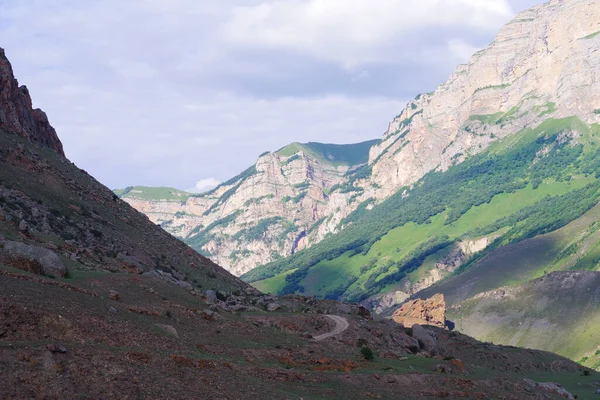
(558, 312)
(335, 154)
(529, 184)
(152, 193)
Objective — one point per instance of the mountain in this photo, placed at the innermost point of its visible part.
(490, 182)
(540, 70)
(96, 301)
(512, 136)
(276, 207)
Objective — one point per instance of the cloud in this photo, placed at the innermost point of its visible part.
(204, 185)
(158, 93)
(355, 32)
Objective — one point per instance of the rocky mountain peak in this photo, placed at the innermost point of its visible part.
(17, 114)
(541, 65)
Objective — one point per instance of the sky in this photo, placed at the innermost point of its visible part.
(187, 93)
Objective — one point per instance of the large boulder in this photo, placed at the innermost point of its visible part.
(423, 312)
(34, 259)
(426, 339)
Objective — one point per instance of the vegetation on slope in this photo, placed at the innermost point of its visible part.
(530, 183)
(152, 193)
(336, 154)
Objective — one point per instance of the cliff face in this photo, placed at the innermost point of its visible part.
(17, 114)
(545, 64)
(280, 205)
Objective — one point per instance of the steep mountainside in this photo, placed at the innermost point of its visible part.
(278, 206)
(557, 312)
(62, 213)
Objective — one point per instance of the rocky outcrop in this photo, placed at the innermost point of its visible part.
(33, 259)
(425, 312)
(17, 114)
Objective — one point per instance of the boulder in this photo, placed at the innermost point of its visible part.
(23, 226)
(48, 261)
(423, 312)
(273, 307)
(555, 388)
(427, 338)
(185, 285)
(211, 296)
(114, 295)
(169, 329)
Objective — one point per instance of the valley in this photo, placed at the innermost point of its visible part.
(457, 256)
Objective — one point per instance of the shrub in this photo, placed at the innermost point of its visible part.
(367, 353)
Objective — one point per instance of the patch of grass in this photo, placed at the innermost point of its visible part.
(153, 193)
(502, 86)
(333, 154)
(590, 36)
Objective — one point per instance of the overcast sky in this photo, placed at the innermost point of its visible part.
(172, 92)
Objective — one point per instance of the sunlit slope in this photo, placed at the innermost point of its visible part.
(529, 184)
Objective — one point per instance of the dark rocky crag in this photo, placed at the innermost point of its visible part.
(17, 114)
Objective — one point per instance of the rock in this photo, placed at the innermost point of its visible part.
(306, 335)
(443, 369)
(424, 336)
(598, 391)
(185, 285)
(273, 307)
(169, 329)
(35, 213)
(211, 296)
(18, 115)
(555, 388)
(114, 295)
(208, 315)
(23, 226)
(112, 310)
(54, 348)
(423, 312)
(48, 261)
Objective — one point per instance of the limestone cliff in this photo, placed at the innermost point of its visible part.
(17, 114)
(544, 64)
(278, 206)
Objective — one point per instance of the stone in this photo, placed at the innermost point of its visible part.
(50, 263)
(169, 329)
(35, 213)
(114, 295)
(555, 388)
(273, 307)
(208, 315)
(112, 310)
(425, 337)
(54, 348)
(211, 296)
(23, 226)
(185, 285)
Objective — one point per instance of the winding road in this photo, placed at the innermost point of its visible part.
(341, 324)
